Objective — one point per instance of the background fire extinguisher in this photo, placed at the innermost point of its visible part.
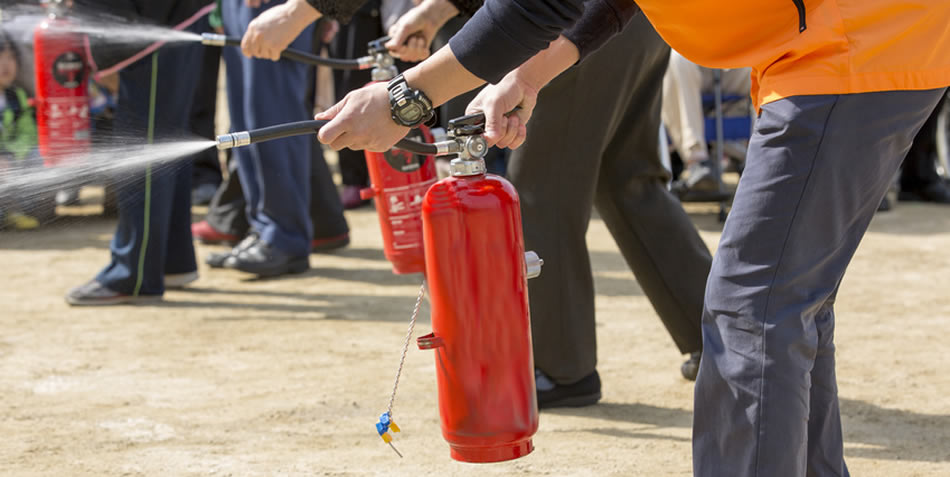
(399, 180)
(477, 272)
(61, 81)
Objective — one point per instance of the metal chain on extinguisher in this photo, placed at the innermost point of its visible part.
(386, 419)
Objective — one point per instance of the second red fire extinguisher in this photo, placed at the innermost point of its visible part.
(61, 76)
(399, 180)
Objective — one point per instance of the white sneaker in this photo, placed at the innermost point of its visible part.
(179, 280)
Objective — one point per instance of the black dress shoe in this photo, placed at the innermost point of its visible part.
(691, 367)
(585, 392)
(263, 260)
(217, 259)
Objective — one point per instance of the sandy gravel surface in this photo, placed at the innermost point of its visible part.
(287, 377)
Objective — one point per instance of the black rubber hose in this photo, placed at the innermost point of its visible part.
(309, 58)
(300, 128)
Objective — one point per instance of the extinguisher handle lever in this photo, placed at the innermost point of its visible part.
(468, 125)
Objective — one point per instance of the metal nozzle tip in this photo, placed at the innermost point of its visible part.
(213, 39)
(236, 139)
(225, 141)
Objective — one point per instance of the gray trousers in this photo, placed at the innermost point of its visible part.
(592, 141)
(818, 166)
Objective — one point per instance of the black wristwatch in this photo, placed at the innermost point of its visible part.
(410, 107)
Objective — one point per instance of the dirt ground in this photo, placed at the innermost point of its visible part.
(245, 377)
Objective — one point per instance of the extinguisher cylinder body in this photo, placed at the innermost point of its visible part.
(475, 268)
(399, 181)
(61, 81)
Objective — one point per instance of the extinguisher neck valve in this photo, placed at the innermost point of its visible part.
(533, 264)
(467, 167)
(213, 39)
(380, 73)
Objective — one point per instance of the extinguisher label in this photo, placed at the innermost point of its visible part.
(405, 214)
(405, 161)
(68, 115)
(69, 69)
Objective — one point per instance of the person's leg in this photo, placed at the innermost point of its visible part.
(656, 237)
(682, 109)
(919, 180)
(275, 175)
(799, 213)
(330, 229)
(556, 173)
(148, 216)
(226, 213)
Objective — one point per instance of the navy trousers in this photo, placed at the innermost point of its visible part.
(153, 236)
(766, 399)
(275, 175)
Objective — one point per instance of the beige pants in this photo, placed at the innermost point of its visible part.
(682, 111)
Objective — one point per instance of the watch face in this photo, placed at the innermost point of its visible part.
(411, 114)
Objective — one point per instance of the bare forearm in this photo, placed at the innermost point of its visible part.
(440, 11)
(441, 77)
(540, 69)
(307, 13)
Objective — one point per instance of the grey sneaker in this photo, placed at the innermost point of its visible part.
(699, 177)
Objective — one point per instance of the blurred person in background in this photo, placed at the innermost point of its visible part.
(685, 120)
(18, 135)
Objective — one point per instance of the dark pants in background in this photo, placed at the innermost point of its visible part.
(207, 167)
(153, 235)
(350, 42)
(275, 176)
(593, 141)
(920, 170)
(818, 166)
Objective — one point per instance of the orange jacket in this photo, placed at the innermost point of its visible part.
(802, 47)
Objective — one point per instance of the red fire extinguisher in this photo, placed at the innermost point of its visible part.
(399, 180)
(61, 75)
(477, 272)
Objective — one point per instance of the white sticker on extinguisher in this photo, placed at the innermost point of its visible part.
(405, 214)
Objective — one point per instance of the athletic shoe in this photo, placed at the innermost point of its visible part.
(690, 368)
(331, 243)
(698, 177)
(20, 221)
(585, 392)
(206, 234)
(94, 293)
(179, 280)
